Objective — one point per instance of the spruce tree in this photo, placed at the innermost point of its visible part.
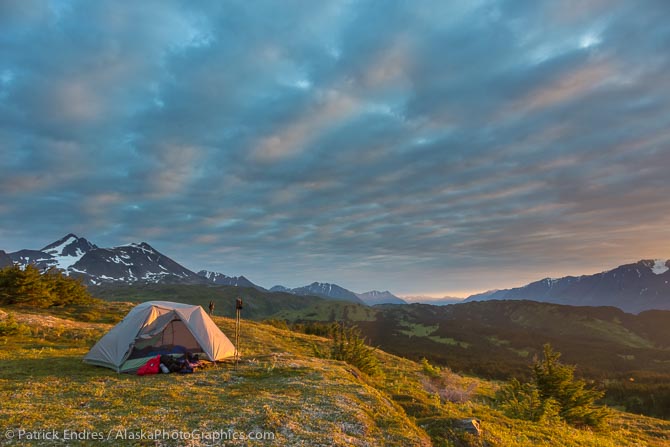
(574, 400)
(29, 287)
(23, 286)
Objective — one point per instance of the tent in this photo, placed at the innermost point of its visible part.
(159, 327)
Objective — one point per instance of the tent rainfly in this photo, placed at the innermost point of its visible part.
(159, 327)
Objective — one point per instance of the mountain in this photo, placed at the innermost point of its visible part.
(323, 290)
(5, 260)
(61, 254)
(375, 297)
(127, 264)
(434, 301)
(481, 296)
(68, 251)
(634, 288)
(131, 263)
(38, 258)
(224, 280)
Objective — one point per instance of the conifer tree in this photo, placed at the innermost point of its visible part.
(553, 394)
(574, 400)
(28, 286)
(348, 345)
(23, 286)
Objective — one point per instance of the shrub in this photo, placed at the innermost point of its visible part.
(554, 393)
(448, 386)
(348, 345)
(9, 326)
(428, 369)
(521, 401)
(279, 324)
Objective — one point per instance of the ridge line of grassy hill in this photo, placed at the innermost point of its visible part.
(280, 386)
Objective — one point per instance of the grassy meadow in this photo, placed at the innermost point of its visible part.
(279, 387)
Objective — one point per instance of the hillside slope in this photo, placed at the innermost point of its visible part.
(628, 354)
(278, 388)
(258, 304)
(496, 338)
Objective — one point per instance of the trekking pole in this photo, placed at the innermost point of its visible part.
(238, 312)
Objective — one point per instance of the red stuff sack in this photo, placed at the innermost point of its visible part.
(153, 366)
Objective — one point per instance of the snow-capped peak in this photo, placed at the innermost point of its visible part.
(212, 276)
(68, 250)
(142, 246)
(659, 267)
(57, 247)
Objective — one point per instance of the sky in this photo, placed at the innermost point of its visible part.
(422, 147)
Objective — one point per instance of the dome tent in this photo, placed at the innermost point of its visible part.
(159, 327)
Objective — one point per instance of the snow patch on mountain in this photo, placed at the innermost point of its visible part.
(224, 280)
(59, 246)
(65, 262)
(659, 267)
(67, 251)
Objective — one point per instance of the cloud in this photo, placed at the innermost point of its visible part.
(569, 87)
(417, 147)
(330, 108)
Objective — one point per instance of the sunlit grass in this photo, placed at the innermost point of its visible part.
(279, 387)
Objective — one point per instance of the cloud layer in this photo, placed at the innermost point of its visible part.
(422, 147)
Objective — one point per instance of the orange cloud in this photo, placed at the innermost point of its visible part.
(566, 88)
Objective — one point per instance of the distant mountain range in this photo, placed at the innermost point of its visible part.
(224, 280)
(631, 287)
(434, 301)
(126, 264)
(130, 263)
(335, 292)
(323, 290)
(140, 263)
(375, 297)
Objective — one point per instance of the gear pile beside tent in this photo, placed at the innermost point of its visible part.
(159, 328)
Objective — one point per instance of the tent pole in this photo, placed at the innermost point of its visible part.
(238, 312)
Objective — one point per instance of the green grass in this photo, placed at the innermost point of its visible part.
(416, 329)
(279, 387)
(449, 341)
(421, 330)
(330, 311)
(496, 341)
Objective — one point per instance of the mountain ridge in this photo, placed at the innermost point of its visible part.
(225, 280)
(323, 290)
(631, 287)
(433, 301)
(374, 297)
(130, 263)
